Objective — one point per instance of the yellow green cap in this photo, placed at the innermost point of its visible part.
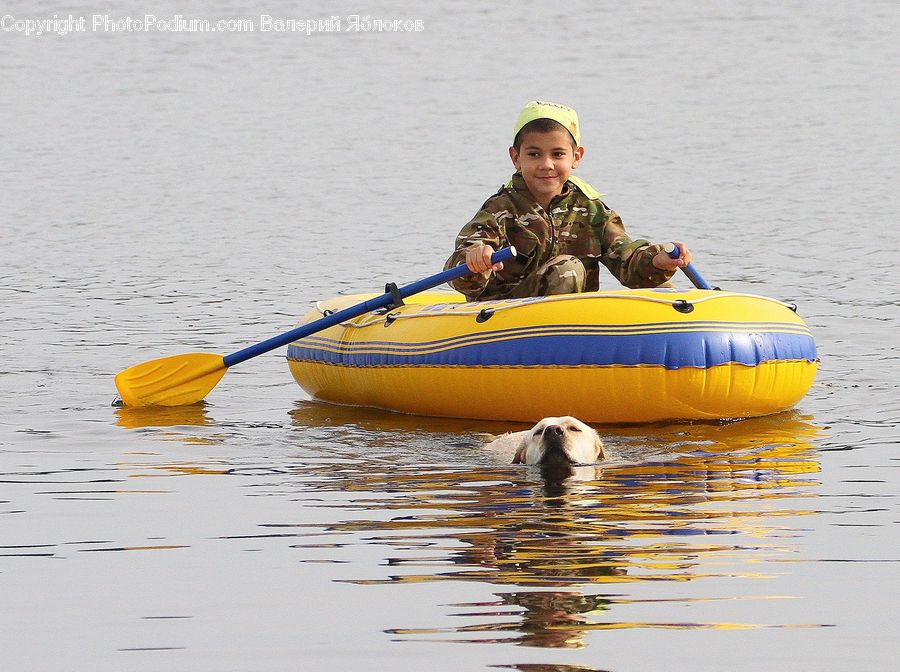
(541, 109)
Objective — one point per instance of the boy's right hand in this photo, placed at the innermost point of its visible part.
(478, 259)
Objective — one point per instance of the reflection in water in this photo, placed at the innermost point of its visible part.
(165, 469)
(130, 417)
(538, 667)
(679, 503)
(150, 417)
(711, 510)
(319, 414)
(541, 618)
(175, 417)
(554, 619)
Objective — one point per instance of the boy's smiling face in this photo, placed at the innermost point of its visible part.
(546, 160)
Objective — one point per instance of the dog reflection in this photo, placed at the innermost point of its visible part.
(552, 619)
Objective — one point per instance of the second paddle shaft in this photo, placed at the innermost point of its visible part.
(675, 252)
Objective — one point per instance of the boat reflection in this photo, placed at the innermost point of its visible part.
(719, 505)
(310, 413)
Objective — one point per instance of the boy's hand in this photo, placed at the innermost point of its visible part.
(663, 261)
(478, 259)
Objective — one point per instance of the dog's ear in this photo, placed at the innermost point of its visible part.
(519, 457)
(598, 444)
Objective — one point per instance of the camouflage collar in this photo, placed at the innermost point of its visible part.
(517, 182)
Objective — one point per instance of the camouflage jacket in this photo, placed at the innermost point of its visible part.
(578, 223)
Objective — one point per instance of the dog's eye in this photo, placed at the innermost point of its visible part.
(574, 429)
(538, 432)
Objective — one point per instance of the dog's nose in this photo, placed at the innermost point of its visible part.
(554, 429)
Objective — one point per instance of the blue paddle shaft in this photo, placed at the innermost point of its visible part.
(506, 254)
(689, 270)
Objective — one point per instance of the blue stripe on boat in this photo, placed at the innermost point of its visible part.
(672, 350)
(552, 329)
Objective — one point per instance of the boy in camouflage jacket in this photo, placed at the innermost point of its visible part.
(560, 228)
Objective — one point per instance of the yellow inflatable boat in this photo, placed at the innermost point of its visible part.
(626, 356)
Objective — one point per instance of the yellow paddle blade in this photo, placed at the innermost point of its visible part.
(170, 381)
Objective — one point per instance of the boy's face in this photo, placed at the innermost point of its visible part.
(546, 160)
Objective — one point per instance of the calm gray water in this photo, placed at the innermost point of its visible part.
(171, 192)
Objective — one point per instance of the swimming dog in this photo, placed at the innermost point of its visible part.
(564, 440)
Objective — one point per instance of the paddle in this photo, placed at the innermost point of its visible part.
(185, 379)
(674, 251)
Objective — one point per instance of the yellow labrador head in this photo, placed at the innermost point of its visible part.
(564, 440)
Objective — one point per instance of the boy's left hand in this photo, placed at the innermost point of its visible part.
(663, 261)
